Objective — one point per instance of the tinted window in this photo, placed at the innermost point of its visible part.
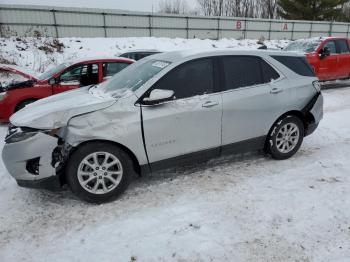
(342, 46)
(110, 69)
(189, 79)
(331, 47)
(241, 71)
(268, 72)
(72, 74)
(297, 64)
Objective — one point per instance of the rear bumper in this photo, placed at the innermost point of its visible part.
(315, 109)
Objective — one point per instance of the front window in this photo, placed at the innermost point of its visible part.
(51, 72)
(133, 77)
(303, 46)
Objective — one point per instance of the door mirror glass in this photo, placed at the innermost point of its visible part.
(158, 96)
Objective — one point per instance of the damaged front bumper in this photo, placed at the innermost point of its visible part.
(30, 161)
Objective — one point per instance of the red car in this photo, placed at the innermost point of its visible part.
(329, 56)
(64, 77)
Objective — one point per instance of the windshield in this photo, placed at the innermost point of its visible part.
(133, 77)
(303, 46)
(51, 72)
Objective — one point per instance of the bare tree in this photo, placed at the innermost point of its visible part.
(239, 8)
(173, 7)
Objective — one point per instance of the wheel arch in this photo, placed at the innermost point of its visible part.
(136, 163)
(305, 117)
(23, 101)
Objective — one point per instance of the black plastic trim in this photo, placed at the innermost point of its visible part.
(51, 183)
(245, 146)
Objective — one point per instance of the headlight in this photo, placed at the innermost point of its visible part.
(317, 86)
(2, 96)
(19, 136)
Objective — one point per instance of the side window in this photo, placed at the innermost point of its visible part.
(342, 46)
(331, 46)
(297, 64)
(89, 75)
(269, 74)
(189, 79)
(110, 69)
(72, 75)
(241, 71)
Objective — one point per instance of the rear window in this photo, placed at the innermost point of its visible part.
(298, 65)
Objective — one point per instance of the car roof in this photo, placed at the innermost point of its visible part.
(177, 56)
(99, 59)
(141, 51)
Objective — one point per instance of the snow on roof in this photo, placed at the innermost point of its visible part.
(87, 59)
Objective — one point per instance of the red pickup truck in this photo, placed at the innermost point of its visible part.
(64, 77)
(329, 56)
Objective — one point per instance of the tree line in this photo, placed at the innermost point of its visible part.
(320, 10)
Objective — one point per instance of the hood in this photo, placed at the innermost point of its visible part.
(55, 111)
(22, 77)
(25, 72)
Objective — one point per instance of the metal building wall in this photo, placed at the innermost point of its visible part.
(18, 20)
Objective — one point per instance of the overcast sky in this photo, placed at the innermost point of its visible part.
(134, 5)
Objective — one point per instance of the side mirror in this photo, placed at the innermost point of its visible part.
(324, 52)
(52, 81)
(158, 96)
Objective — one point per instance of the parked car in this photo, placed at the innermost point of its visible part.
(139, 54)
(165, 110)
(66, 76)
(329, 56)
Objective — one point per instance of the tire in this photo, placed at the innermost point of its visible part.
(285, 137)
(112, 172)
(23, 104)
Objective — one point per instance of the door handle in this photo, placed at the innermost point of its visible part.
(276, 90)
(210, 104)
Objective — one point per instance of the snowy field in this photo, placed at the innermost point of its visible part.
(247, 208)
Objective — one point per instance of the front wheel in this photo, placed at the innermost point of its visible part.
(99, 172)
(285, 138)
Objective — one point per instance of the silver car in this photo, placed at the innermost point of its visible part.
(165, 110)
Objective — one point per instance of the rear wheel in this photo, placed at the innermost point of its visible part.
(99, 172)
(285, 138)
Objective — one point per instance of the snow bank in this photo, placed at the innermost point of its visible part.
(41, 53)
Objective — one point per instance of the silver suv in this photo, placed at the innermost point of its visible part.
(165, 110)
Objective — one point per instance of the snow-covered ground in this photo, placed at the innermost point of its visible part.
(42, 53)
(247, 208)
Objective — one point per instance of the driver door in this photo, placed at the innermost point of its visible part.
(188, 127)
(75, 77)
(328, 65)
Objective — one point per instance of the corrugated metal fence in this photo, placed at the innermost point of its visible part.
(87, 22)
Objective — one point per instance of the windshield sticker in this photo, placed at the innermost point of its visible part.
(160, 64)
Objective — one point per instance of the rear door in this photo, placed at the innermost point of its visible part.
(343, 65)
(111, 68)
(192, 121)
(252, 101)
